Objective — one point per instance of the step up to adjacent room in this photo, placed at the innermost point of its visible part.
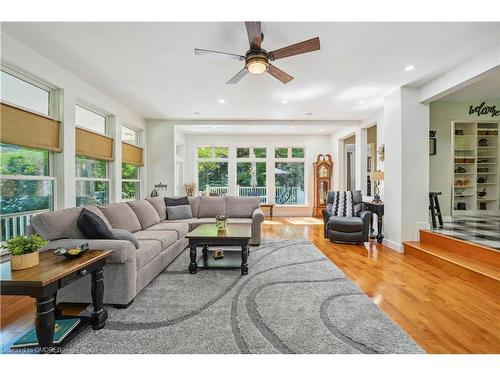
(468, 261)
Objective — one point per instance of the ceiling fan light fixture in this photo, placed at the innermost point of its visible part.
(257, 63)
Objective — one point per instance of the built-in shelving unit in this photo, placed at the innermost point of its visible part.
(475, 152)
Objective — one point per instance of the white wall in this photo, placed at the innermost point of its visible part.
(160, 149)
(71, 90)
(313, 144)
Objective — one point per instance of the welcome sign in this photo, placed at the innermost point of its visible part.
(484, 110)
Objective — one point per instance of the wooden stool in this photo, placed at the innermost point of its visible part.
(435, 209)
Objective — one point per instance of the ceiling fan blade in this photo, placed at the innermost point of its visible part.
(254, 34)
(295, 49)
(279, 74)
(200, 52)
(243, 72)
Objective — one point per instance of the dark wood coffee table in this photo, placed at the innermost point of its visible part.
(44, 280)
(207, 235)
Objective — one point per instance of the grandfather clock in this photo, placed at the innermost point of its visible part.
(323, 167)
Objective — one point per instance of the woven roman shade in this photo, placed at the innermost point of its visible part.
(93, 145)
(24, 128)
(132, 154)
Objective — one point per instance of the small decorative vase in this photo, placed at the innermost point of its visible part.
(221, 223)
(20, 262)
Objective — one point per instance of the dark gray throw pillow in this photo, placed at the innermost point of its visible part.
(179, 212)
(176, 201)
(92, 226)
(123, 234)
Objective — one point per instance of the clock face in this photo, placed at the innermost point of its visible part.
(323, 171)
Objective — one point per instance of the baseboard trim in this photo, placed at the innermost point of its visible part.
(393, 245)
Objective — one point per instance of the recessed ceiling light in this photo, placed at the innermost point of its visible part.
(409, 68)
(214, 127)
(222, 101)
(284, 101)
(293, 127)
(253, 128)
(320, 130)
(309, 113)
(361, 102)
(197, 113)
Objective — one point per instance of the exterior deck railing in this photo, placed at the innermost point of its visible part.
(288, 195)
(14, 225)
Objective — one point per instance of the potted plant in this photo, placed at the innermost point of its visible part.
(24, 251)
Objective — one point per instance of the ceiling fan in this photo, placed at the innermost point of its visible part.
(257, 59)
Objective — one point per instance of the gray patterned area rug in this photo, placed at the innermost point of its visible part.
(294, 300)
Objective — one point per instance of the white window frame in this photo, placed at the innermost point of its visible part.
(52, 112)
(252, 158)
(289, 159)
(138, 180)
(107, 123)
(213, 159)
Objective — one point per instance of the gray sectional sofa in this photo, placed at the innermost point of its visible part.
(129, 270)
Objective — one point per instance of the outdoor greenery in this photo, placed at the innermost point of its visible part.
(212, 174)
(24, 195)
(129, 171)
(244, 173)
(88, 167)
(297, 152)
(243, 152)
(91, 192)
(259, 152)
(24, 244)
(129, 188)
(281, 152)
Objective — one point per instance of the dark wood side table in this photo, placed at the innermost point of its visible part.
(377, 209)
(207, 235)
(270, 206)
(44, 280)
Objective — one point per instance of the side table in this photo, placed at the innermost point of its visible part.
(377, 209)
(44, 280)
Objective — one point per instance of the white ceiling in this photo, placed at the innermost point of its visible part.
(247, 129)
(487, 88)
(151, 67)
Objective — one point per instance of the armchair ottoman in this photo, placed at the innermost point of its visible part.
(354, 229)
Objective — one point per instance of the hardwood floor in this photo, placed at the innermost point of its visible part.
(442, 313)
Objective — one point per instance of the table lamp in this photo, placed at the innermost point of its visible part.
(376, 176)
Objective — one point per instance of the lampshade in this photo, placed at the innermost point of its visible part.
(377, 176)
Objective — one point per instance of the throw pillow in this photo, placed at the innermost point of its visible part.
(122, 234)
(176, 201)
(179, 212)
(342, 204)
(92, 225)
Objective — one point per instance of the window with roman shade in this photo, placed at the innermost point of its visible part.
(132, 160)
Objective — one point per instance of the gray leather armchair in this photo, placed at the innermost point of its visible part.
(355, 229)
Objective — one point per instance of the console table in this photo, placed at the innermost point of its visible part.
(377, 209)
(44, 280)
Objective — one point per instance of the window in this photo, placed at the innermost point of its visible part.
(130, 181)
(251, 173)
(213, 170)
(92, 184)
(24, 94)
(26, 187)
(289, 176)
(85, 118)
(130, 136)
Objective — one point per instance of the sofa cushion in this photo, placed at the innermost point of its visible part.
(159, 205)
(179, 212)
(147, 251)
(121, 216)
(345, 224)
(241, 206)
(182, 228)
(176, 201)
(122, 234)
(58, 224)
(93, 226)
(194, 202)
(166, 238)
(212, 206)
(145, 212)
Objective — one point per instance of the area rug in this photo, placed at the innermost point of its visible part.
(294, 300)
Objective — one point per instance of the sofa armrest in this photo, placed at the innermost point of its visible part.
(122, 250)
(258, 215)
